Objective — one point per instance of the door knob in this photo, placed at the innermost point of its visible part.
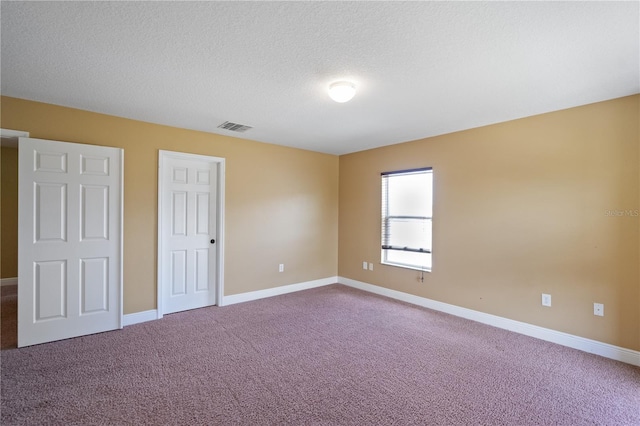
(213, 241)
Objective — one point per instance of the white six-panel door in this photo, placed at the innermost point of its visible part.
(69, 240)
(188, 232)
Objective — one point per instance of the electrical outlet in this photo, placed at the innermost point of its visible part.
(364, 265)
(371, 266)
(281, 267)
(546, 299)
(598, 309)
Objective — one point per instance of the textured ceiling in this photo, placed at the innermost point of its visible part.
(422, 68)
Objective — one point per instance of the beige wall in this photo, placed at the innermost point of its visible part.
(520, 210)
(9, 212)
(281, 203)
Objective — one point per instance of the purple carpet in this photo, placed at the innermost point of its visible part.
(327, 356)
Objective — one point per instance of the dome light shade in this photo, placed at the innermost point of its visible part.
(342, 91)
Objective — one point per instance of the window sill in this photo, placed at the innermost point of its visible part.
(400, 265)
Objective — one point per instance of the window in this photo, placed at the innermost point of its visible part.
(407, 210)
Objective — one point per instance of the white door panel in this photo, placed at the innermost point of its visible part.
(188, 258)
(70, 240)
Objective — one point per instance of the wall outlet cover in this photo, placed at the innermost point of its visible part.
(598, 309)
(546, 299)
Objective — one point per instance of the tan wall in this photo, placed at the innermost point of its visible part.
(520, 210)
(281, 203)
(9, 212)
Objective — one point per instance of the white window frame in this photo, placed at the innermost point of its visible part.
(385, 225)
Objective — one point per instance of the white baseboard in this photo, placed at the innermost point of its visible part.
(138, 317)
(8, 281)
(586, 345)
(276, 291)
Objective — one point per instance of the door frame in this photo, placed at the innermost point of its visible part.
(9, 139)
(220, 209)
(13, 135)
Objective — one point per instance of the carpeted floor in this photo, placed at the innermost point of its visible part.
(331, 355)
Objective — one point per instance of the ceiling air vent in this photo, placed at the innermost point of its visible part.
(234, 127)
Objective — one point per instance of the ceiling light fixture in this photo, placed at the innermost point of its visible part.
(342, 91)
